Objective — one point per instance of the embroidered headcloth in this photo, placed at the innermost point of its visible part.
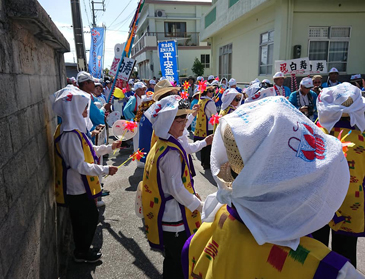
(335, 101)
(276, 167)
(69, 103)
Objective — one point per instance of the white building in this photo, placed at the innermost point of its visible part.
(248, 36)
(171, 20)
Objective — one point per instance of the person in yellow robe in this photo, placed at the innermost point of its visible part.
(171, 207)
(341, 110)
(273, 168)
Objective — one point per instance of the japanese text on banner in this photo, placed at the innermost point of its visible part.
(318, 66)
(96, 52)
(168, 60)
(298, 66)
(126, 68)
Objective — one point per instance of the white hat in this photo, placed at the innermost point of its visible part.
(200, 78)
(278, 75)
(254, 81)
(152, 81)
(162, 114)
(274, 204)
(162, 78)
(130, 82)
(357, 76)
(232, 81)
(331, 106)
(138, 85)
(266, 81)
(215, 83)
(307, 82)
(210, 77)
(98, 84)
(333, 70)
(228, 97)
(83, 76)
(256, 92)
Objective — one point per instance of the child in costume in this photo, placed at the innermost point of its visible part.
(77, 171)
(341, 110)
(203, 128)
(256, 224)
(195, 100)
(171, 206)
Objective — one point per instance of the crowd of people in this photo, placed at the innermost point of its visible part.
(289, 167)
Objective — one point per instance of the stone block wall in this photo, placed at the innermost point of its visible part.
(31, 68)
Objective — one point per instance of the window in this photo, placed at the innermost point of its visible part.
(175, 29)
(225, 61)
(210, 17)
(266, 53)
(330, 44)
(205, 59)
(232, 2)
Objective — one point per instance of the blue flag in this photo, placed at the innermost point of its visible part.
(168, 60)
(96, 52)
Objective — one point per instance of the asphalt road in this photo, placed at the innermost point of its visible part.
(126, 253)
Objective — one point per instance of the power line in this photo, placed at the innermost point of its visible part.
(120, 13)
(87, 15)
(124, 20)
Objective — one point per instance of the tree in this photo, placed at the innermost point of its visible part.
(198, 67)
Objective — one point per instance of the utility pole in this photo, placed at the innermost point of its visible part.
(93, 10)
(79, 36)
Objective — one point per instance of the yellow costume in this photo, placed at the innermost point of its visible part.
(201, 128)
(91, 183)
(153, 198)
(226, 249)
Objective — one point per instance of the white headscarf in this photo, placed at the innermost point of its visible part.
(294, 177)
(162, 114)
(69, 103)
(222, 84)
(330, 109)
(255, 92)
(228, 97)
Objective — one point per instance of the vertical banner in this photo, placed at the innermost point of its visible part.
(168, 60)
(96, 52)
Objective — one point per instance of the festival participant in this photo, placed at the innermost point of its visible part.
(266, 83)
(171, 207)
(203, 128)
(86, 83)
(341, 110)
(107, 88)
(191, 81)
(210, 79)
(317, 84)
(77, 171)
(145, 126)
(231, 99)
(358, 81)
(98, 94)
(233, 84)
(332, 78)
(195, 100)
(258, 91)
(279, 87)
(223, 83)
(259, 227)
(130, 109)
(151, 85)
(305, 99)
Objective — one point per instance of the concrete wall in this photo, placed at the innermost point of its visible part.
(31, 68)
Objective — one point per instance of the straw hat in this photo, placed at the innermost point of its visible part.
(233, 154)
(163, 87)
(347, 103)
(184, 108)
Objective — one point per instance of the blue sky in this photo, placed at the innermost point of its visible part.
(117, 17)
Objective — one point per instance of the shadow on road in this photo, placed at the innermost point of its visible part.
(141, 260)
(135, 179)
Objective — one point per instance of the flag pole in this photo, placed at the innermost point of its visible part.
(132, 29)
